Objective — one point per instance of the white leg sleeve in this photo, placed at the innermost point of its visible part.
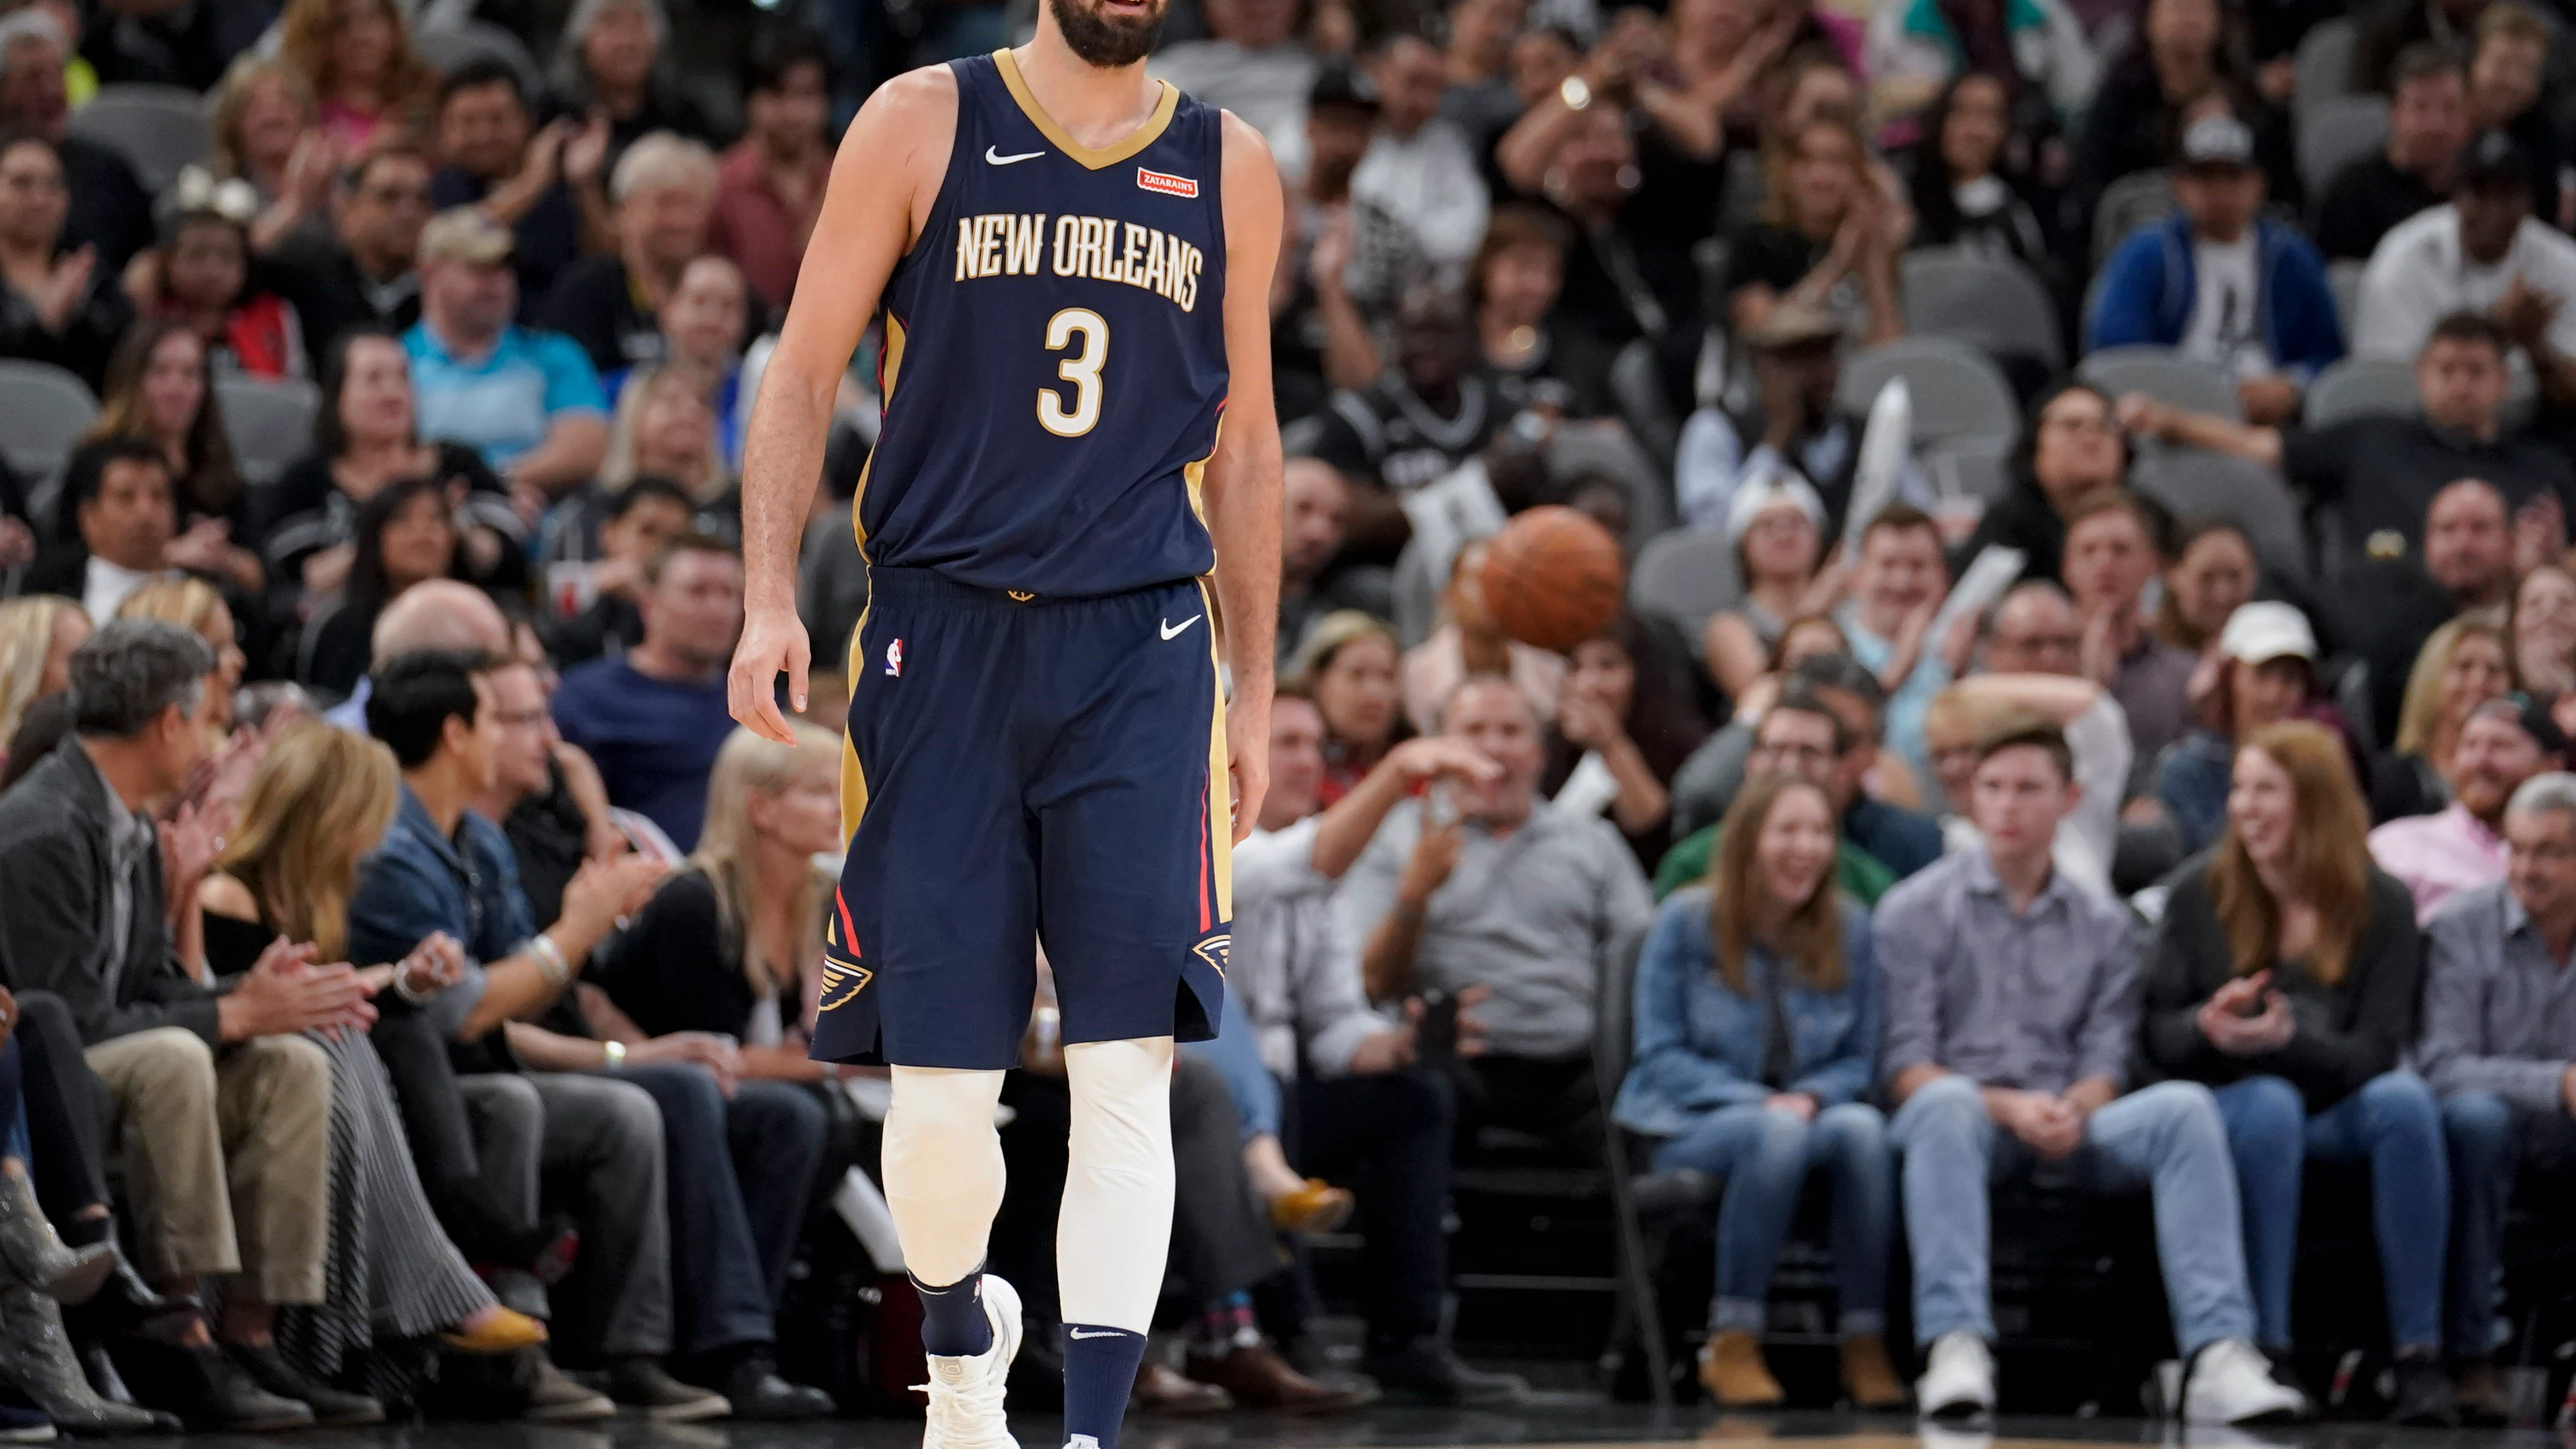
(943, 1169)
(1116, 1229)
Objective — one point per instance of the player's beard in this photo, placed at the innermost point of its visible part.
(1102, 41)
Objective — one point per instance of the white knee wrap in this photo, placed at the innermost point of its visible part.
(943, 1169)
(1116, 1227)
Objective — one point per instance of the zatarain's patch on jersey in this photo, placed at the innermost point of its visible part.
(1166, 183)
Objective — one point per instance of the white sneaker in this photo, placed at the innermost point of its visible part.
(1958, 1377)
(966, 1393)
(2231, 1383)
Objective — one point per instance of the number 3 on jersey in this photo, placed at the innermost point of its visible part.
(1082, 370)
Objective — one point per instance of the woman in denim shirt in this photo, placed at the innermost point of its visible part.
(1757, 1025)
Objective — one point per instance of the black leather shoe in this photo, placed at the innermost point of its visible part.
(757, 1392)
(125, 1302)
(1428, 1371)
(2424, 1397)
(206, 1390)
(332, 1408)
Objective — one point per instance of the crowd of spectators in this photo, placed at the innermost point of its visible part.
(390, 906)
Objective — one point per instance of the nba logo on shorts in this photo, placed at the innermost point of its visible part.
(894, 659)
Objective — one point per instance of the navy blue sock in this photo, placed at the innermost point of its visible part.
(953, 1324)
(1099, 1371)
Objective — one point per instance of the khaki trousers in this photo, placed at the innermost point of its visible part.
(227, 1156)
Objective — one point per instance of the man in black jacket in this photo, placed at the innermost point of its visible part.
(225, 1106)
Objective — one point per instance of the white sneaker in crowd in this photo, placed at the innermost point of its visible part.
(1958, 1377)
(2231, 1383)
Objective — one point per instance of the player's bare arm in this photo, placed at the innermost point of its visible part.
(1242, 483)
(884, 182)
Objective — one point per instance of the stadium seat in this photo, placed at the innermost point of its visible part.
(2343, 278)
(1985, 302)
(1606, 450)
(2338, 131)
(269, 422)
(157, 129)
(1957, 389)
(2359, 386)
(2324, 64)
(43, 411)
(2196, 483)
(2165, 375)
(1683, 577)
(477, 40)
(2127, 204)
(1977, 466)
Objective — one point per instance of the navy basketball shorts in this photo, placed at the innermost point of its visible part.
(1018, 771)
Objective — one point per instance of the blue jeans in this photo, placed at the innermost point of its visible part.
(1765, 1157)
(2166, 1138)
(2484, 1133)
(2392, 1123)
(739, 1174)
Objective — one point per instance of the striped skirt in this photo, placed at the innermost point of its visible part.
(390, 1270)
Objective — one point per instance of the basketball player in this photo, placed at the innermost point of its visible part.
(1073, 265)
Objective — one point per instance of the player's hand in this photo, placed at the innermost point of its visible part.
(1247, 746)
(773, 640)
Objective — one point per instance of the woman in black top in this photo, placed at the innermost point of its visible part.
(1627, 701)
(1967, 175)
(405, 535)
(1533, 352)
(365, 436)
(727, 943)
(57, 304)
(2071, 445)
(1829, 235)
(2284, 975)
(319, 802)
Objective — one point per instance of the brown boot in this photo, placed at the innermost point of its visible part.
(1868, 1377)
(1258, 1378)
(1732, 1370)
(2483, 1403)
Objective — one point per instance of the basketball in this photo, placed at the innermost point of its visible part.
(1553, 578)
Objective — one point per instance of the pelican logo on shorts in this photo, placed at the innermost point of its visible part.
(1181, 186)
(894, 659)
(842, 979)
(1214, 950)
(841, 983)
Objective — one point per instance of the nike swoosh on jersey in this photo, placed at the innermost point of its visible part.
(993, 156)
(1173, 631)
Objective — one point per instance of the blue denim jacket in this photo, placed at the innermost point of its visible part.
(1700, 1045)
(419, 881)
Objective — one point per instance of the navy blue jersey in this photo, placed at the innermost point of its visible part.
(1055, 354)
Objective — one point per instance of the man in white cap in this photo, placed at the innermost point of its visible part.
(2265, 670)
(2220, 284)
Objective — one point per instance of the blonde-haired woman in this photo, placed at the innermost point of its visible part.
(2464, 663)
(193, 605)
(1348, 664)
(1756, 1028)
(357, 57)
(267, 133)
(1830, 234)
(2284, 976)
(319, 802)
(666, 427)
(37, 636)
(725, 948)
